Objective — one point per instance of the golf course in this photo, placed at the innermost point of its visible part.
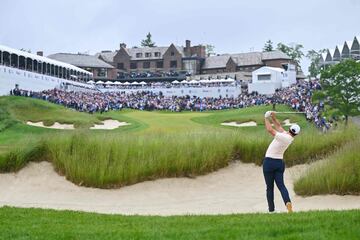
(166, 163)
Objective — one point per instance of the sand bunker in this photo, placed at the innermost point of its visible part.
(235, 124)
(56, 125)
(106, 124)
(109, 124)
(238, 188)
(287, 122)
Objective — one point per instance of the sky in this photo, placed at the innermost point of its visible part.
(232, 26)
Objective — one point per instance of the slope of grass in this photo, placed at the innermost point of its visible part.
(39, 224)
(337, 174)
(155, 145)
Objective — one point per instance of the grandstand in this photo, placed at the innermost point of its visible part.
(36, 73)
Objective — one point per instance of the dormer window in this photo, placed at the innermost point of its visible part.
(139, 55)
(157, 54)
(147, 54)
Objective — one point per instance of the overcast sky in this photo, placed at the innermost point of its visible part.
(232, 26)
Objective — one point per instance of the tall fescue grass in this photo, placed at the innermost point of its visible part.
(109, 160)
(27, 150)
(308, 146)
(337, 174)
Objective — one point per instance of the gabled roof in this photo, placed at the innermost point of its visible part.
(243, 59)
(339, 47)
(80, 60)
(134, 51)
(108, 56)
(216, 61)
(274, 55)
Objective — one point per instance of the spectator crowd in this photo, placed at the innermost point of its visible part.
(297, 96)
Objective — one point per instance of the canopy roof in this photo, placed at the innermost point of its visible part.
(41, 59)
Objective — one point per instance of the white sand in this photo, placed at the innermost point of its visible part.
(235, 124)
(239, 188)
(56, 125)
(109, 124)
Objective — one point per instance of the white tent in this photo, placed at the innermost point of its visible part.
(126, 83)
(214, 81)
(229, 80)
(109, 82)
(143, 83)
(91, 82)
(184, 81)
(193, 82)
(176, 81)
(99, 82)
(204, 81)
(135, 83)
(117, 83)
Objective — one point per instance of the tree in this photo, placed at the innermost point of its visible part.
(268, 47)
(148, 41)
(209, 50)
(341, 88)
(294, 52)
(314, 57)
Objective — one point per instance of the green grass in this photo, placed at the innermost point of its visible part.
(337, 174)
(16, 223)
(155, 145)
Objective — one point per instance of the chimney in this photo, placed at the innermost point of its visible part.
(122, 45)
(188, 43)
(40, 53)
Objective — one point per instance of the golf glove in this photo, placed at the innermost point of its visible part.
(268, 114)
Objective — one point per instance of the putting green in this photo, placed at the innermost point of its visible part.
(156, 144)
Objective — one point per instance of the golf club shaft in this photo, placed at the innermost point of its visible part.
(289, 112)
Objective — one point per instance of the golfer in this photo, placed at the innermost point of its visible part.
(273, 165)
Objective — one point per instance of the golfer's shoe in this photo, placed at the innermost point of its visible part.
(289, 207)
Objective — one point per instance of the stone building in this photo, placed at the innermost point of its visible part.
(156, 59)
(244, 62)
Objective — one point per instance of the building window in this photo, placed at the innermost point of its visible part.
(264, 77)
(157, 54)
(139, 55)
(147, 54)
(120, 66)
(173, 64)
(102, 72)
(160, 64)
(146, 64)
(172, 53)
(133, 65)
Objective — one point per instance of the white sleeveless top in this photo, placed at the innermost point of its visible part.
(278, 146)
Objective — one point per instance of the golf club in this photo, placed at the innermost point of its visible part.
(289, 112)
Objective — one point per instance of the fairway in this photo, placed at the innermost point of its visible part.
(60, 225)
(169, 160)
